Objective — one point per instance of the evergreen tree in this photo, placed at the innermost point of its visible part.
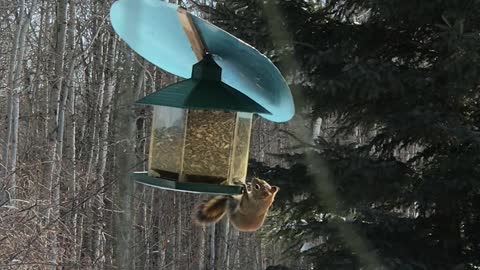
(406, 73)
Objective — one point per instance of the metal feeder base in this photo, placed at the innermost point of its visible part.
(201, 188)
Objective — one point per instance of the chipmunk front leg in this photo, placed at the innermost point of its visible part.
(236, 182)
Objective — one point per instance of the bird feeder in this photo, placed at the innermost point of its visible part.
(201, 126)
(201, 129)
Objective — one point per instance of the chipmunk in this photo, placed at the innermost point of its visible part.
(247, 211)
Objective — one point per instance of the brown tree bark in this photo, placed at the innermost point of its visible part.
(10, 147)
(103, 142)
(57, 140)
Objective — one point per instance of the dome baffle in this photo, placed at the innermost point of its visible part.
(204, 90)
(153, 29)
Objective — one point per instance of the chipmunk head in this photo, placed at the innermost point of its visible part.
(261, 189)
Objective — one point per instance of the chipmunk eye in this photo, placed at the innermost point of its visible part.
(257, 186)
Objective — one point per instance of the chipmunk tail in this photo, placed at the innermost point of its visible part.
(211, 210)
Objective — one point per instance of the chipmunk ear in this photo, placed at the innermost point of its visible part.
(274, 189)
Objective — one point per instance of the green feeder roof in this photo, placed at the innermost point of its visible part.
(204, 90)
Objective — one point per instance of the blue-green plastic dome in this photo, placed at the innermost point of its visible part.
(153, 30)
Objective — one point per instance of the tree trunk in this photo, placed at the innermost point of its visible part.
(211, 248)
(10, 88)
(103, 142)
(71, 218)
(57, 149)
(232, 248)
(259, 253)
(201, 249)
(243, 252)
(13, 103)
(221, 232)
(125, 157)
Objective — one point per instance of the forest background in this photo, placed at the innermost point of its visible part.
(379, 169)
